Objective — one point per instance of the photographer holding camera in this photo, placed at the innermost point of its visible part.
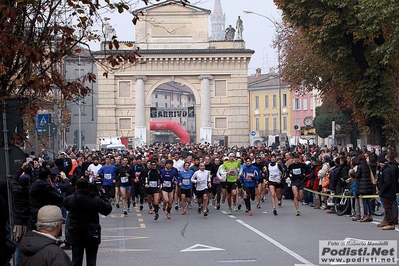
(84, 230)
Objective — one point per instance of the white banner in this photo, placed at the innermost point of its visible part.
(205, 135)
(140, 136)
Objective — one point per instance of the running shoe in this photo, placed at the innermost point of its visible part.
(134, 204)
(128, 209)
(190, 206)
(275, 212)
(246, 211)
(150, 211)
(258, 206)
(298, 213)
(167, 215)
(239, 206)
(279, 202)
(163, 208)
(176, 207)
(263, 200)
(125, 212)
(141, 207)
(229, 211)
(235, 207)
(199, 210)
(250, 213)
(218, 207)
(183, 212)
(205, 213)
(156, 216)
(117, 205)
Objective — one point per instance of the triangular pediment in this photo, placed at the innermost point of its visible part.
(171, 5)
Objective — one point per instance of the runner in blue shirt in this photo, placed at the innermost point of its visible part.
(185, 185)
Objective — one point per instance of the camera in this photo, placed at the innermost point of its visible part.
(95, 187)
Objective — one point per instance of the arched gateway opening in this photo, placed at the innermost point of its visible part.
(175, 51)
(172, 114)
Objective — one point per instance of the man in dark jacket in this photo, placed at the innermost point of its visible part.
(387, 187)
(84, 230)
(42, 193)
(19, 184)
(64, 163)
(41, 247)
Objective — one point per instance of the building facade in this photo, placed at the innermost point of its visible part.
(270, 109)
(174, 47)
(303, 112)
(83, 112)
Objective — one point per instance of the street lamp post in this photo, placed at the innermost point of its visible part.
(276, 26)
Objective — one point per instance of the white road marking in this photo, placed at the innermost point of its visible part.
(237, 261)
(123, 250)
(277, 244)
(200, 247)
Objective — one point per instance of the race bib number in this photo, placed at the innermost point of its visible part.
(232, 172)
(124, 179)
(186, 182)
(296, 171)
(249, 176)
(167, 183)
(216, 180)
(153, 184)
(107, 176)
(274, 178)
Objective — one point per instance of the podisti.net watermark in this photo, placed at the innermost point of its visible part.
(357, 251)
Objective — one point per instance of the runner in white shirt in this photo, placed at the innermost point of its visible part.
(93, 169)
(202, 179)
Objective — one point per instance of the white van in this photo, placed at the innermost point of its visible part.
(116, 147)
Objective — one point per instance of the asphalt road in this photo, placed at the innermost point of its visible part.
(221, 239)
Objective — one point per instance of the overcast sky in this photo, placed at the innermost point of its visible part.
(258, 32)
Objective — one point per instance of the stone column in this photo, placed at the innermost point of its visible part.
(140, 136)
(205, 100)
(140, 100)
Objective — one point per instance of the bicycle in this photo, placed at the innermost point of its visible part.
(342, 205)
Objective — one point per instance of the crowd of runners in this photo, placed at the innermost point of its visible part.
(181, 177)
(202, 176)
(168, 176)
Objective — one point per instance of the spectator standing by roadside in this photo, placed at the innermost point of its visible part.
(41, 193)
(64, 163)
(84, 230)
(364, 187)
(21, 210)
(41, 247)
(387, 187)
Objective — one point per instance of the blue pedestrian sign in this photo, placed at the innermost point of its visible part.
(253, 133)
(42, 119)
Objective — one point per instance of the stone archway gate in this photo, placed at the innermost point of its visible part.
(174, 45)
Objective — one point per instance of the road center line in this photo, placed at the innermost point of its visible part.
(277, 244)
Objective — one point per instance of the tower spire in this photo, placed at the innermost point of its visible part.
(218, 22)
